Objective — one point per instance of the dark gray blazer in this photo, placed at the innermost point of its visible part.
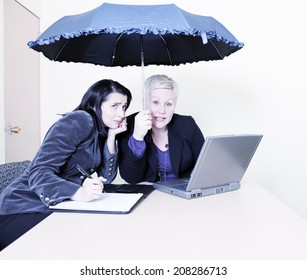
(52, 175)
(185, 143)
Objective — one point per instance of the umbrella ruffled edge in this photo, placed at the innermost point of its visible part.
(53, 39)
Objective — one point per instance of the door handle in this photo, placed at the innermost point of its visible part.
(13, 129)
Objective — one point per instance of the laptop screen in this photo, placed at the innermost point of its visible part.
(223, 160)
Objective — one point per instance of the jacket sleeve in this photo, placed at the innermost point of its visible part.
(61, 141)
(132, 168)
(110, 164)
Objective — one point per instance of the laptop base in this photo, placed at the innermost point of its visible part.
(196, 193)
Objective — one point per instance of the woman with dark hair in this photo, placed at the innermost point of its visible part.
(85, 137)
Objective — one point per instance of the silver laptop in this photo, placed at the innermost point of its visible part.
(220, 167)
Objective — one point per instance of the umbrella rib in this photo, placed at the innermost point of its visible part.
(59, 52)
(114, 51)
(216, 48)
(168, 53)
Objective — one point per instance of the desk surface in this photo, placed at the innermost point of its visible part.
(249, 223)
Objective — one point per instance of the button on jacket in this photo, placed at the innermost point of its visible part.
(185, 143)
(53, 175)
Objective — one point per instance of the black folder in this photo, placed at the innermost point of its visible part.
(117, 199)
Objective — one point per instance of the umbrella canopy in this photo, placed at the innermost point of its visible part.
(122, 35)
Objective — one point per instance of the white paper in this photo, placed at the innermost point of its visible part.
(109, 202)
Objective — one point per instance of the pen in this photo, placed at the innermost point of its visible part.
(84, 172)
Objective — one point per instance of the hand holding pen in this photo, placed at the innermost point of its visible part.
(91, 188)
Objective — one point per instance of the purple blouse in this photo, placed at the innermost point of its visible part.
(165, 170)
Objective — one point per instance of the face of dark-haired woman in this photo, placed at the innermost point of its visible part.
(114, 110)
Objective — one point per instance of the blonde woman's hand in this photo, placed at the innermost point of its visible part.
(91, 189)
(142, 123)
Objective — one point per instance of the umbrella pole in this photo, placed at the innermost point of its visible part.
(143, 78)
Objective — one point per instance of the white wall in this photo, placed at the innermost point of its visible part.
(32, 5)
(259, 89)
(2, 125)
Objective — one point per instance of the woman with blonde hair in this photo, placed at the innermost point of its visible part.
(159, 144)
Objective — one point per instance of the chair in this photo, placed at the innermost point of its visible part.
(10, 171)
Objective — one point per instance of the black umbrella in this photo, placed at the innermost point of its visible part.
(122, 35)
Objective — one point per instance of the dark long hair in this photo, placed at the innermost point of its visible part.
(96, 94)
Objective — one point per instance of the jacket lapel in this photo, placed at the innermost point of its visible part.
(175, 148)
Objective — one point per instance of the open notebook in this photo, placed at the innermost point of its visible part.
(220, 167)
(112, 203)
(118, 199)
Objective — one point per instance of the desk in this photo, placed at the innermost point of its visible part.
(249, 223)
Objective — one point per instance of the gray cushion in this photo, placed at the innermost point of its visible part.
(10, 171)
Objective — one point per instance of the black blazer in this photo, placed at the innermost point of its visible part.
(185, 143)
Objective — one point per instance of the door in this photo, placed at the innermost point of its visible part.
(21, 83)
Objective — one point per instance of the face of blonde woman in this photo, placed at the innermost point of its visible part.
(162, 105)
(114, 109)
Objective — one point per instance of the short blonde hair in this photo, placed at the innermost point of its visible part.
(161, 82)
